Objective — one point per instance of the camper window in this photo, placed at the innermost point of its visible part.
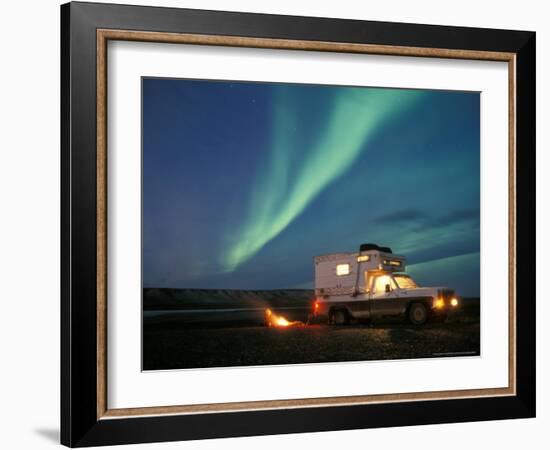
(342, 269)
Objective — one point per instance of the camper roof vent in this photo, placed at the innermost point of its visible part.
(367, 247)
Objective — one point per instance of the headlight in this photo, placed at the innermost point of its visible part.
(439, 303)
(454, 302)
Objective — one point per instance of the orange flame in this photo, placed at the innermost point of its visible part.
(276, 320)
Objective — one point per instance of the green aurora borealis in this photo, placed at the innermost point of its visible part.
(277, 198)
(244, 183)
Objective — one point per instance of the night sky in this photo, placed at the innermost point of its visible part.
(244, 183)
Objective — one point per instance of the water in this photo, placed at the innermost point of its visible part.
(161, 312)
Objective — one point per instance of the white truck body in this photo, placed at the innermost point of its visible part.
(370, 283)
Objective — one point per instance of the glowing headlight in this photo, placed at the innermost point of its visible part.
(454, 302)
(439, 303)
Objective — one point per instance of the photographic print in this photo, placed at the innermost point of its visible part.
(275, 210)
(300, 223)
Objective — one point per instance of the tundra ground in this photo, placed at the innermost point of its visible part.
(237, 338)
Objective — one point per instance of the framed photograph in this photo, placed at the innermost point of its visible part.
(276, 224)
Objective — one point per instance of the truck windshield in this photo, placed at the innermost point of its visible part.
(405, 282)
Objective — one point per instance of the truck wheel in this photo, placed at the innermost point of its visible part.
(339, 317)
(418, 314)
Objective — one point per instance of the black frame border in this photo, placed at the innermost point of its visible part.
(79, 423)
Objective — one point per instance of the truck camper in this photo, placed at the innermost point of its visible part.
(372, 283)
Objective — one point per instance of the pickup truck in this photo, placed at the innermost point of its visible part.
(372, 284)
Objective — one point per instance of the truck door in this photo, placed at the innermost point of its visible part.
(385, 297)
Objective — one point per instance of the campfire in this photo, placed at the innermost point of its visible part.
(276, 320)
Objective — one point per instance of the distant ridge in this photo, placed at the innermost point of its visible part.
(168, 298)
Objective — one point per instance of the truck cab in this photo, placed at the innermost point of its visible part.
(373, 284)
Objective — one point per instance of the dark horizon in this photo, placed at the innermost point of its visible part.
(244, 183)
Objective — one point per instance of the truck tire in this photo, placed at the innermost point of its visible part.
(339, 317)
(418, 314)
